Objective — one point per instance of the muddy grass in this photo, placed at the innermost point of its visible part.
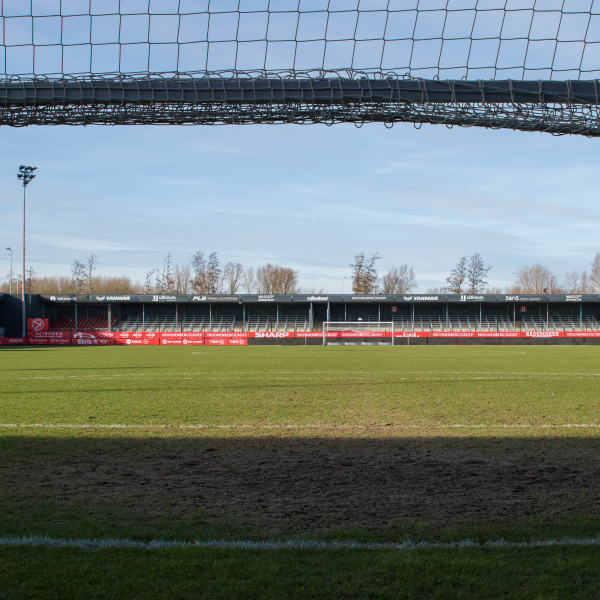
(310, 483)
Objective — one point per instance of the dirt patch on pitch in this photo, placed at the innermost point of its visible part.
(317, 484)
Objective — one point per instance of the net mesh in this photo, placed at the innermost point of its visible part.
(449, 39)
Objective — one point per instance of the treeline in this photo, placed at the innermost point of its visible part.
(205, 275)
(202, 275)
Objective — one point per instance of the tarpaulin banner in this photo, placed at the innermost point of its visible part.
(181, 342)
(543, 334)
(37, 324)
(271, 334)
(582, 334)
(136, 335)
(225, 334)
(94, 335)
(35, 341)
(181, 334)
(64, 335)
(136, 342)
(93, 342)
(368, 334)
(498, 334)
(15, 340)
(224, 342)
(316, 334)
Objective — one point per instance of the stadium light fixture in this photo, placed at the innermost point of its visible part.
(11, 272)
(25, 176)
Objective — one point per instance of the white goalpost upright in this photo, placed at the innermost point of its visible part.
(361, 328)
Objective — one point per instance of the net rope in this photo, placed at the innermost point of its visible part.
(430, 39)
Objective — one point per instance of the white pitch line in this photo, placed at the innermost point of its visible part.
(100, 544)
(306, 426)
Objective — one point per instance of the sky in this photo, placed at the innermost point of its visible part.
(307, 197)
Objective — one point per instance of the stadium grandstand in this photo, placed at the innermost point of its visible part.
(301, 319)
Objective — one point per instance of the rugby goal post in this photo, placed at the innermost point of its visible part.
(361, 328)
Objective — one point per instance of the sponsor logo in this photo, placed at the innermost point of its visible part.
(83, 336)
(465, 297)
(498, 334)
(164, 298)
(458, 334)
(128, 342)
(272, 334)
(369, 297)
(573, 297)
(199, 299)
(63, 298)
(542, 334)
(113, 298)
(266, 298)
(38, 324)
(420, 298)
(522, 299)
(317, 299)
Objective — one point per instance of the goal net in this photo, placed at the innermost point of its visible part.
(368, 333)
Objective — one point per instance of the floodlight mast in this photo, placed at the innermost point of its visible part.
(25, 175)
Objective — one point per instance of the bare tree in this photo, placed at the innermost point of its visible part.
(399, 280)
(78, 277)
(364, 273)
(198, 279)
(213, 275)
(148, 287)
(495, 290)
(576, 283)
(165, 280)
(232, 277)
(457, 277)
(273, 279)
(31, 277)
(91, 265)
(182, 276)
(533, 280)
(249, 280)
(435, 290)
(476, 274)
(595, 274)
(311, 290)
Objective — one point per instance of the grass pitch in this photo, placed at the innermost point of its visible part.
(278, 443)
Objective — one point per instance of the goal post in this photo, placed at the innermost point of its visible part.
(362, 329)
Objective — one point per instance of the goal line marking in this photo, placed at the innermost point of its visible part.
(96, 544)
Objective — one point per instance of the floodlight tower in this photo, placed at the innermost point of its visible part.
(11, 272)
(25, 175)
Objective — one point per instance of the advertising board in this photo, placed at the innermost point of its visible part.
(35, 341)
(136, 335)
(226, 342)
(136, 342)
(225, 334)
(65, 335)
(93, 335)
(181, 341)
(167, 335)
(37, 324)
(92, 342)
(317, 334)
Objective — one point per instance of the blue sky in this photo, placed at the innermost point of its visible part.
(309, 197)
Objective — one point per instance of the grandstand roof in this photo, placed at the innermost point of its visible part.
(296, 298)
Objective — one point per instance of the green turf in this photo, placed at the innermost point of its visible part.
(470, 408)
(301, 386)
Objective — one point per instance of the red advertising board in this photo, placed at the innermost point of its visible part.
(582, 334)
(93, 335)
(64, 335)
(181, 334)
(366, 334)
(181, 342)
(40, 341)
(225, 334)
(92, 342)
(543, 334)
(271, 334)
(136, 335)
(37, 324)
(16, 341)
(316, 334)
(224, 342)
(404, 334)
(136, 342)
(498, 334)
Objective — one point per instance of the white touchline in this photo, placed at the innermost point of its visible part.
(97, 544)
(283, 426)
